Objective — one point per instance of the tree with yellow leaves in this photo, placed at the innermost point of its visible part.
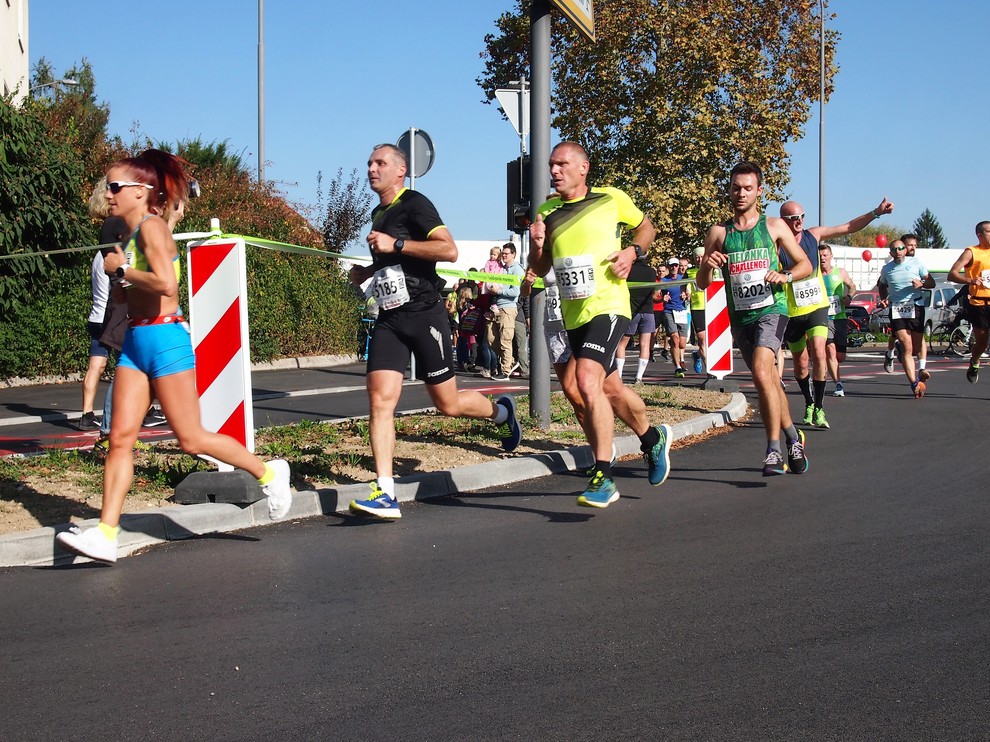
(673, 93)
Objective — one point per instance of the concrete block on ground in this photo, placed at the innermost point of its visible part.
(237, 487)
(728, 386)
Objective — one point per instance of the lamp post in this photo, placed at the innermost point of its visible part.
(67, 81)
(261, 90)
(821, 112)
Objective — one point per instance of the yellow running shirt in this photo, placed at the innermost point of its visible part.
(583, 233)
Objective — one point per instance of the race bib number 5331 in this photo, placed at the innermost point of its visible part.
(575, 276)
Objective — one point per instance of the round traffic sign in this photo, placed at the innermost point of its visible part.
(422, 157)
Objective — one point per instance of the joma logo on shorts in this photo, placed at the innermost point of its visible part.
(437, 373)
(592, 346)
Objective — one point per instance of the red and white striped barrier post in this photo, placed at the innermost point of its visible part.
(718, 335)
(219, 327)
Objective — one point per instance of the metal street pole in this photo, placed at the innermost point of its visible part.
(821, 113)
(539, 361)
(412, 158)
(261, 90)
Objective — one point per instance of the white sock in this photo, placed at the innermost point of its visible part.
(501, 414)
(921, 363)
(387, 485)
(619, 363)
(641, 369)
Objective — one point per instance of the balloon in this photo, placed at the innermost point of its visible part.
(881, 240)
(867, 255)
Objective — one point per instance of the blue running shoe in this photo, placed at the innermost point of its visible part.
(697, 362)
(379, 504)
(658, 458)
(509, 431)
(601, 491)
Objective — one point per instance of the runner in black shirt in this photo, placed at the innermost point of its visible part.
(407, 239)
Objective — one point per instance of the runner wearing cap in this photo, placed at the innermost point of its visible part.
(675, 318)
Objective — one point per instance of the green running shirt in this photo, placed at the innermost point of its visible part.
(751, 252)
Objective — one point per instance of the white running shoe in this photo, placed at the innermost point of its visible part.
(89, 543)
(279, 491)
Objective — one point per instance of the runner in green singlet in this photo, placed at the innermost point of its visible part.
(840, 289)
(746, 250)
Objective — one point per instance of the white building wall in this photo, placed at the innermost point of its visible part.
(14, 48)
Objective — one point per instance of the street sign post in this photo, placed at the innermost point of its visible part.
(420, 153)
(515, 103)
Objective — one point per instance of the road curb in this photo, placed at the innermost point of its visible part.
(36, 548)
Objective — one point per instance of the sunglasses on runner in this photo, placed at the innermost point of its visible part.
(116, 186)
(793, 217)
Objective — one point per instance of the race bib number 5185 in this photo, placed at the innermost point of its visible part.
(389, 287)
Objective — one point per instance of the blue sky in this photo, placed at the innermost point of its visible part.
(907, 119)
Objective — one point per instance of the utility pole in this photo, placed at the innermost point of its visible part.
(261, 90)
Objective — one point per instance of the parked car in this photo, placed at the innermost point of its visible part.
(866, 299)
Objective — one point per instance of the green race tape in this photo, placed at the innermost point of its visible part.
(500, 278)
(44, 253)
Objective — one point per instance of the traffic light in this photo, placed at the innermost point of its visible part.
(517, 194)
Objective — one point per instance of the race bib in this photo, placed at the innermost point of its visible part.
(834, 305)
(750, 290)
(985, 279)
(808, 293)
(388, 288)
(903, 311)
(553, 305)
(680, 316)
(575, 276)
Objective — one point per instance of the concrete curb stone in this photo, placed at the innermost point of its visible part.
(36, 548)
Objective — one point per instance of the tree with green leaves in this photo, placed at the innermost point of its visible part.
(673, 93)
(929, 231)
(53, 150)
(75, 115)
(867, 236)
(40, 206)
(348, 209)
(212, 155)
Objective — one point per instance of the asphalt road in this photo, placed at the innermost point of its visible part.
(850, 603)
(45, 417)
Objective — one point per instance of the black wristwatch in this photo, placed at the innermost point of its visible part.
(119, 273)
(639, 251)
(399, 244)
